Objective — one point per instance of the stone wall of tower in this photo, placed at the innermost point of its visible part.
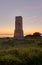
(18, 27)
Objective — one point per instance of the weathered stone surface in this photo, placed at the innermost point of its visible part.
(18, 34)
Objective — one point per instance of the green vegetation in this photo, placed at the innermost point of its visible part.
(27, 51)
(21, 56)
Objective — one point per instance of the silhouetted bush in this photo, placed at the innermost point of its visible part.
(36, 34)
(28, 36)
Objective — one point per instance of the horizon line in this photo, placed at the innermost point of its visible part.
(13, 33)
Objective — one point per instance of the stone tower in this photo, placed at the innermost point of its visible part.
(18, 34)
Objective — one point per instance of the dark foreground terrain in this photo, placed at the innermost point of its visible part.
(21, 52)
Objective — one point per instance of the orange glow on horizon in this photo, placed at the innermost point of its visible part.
(6, 33)
(12, 33)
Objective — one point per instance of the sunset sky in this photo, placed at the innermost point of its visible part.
(30, 10)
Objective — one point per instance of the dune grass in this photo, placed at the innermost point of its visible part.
(21, 52)
(24, 56)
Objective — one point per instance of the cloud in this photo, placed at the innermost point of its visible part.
(32, 19)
